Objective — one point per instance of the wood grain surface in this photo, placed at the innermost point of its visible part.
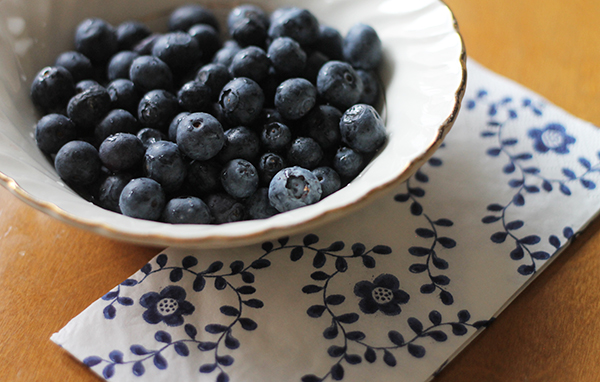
(49, 271)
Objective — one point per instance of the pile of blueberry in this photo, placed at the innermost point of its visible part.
(182, 127)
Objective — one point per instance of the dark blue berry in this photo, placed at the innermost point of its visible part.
(157, 109)
(144, 47)
(323, 125)
(77, 64)
(330, 42)
(215, 76)
(258, 205)
(116, 121)
(339, 84)
(240, 142)
(287, 57)
(119, 64)
(347, 163)
(248, 25)
(123, 95)
(77, 163)
(204, 177)
(362, 128)
(269, 165)
(241, 101)
(172, 134)
(295, 97)
(149, 73)
(251, 62)
(184, 17)
(96, 39)
(294, 187)
(51, 89)
(179, 50)
(130, 33)
(299, 24)
(149, 136)
(121, 152)
(329, 178)
(225, 55)
(164, 163)
(84, 85)
(186, 210)
(194, 96)
(207, 38)
(305, 152)
(89, 107)
(225, 208)
(362, 47)
(53, 131)
(314, 63)
(239, 178)
(371, 92)
(200, 136)
(142, 198)
(275, 136)
(109, 191)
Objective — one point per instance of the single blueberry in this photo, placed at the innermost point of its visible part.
(194, 96)
(76, 63)
(200, 136)
(149, 136)
(251, 62)
(275, 136)
(207, 38)
(123, 95)
(204, 177)
(116, 121)
(295, 97)
(339, 84)
(119, 64)
(121, 152)
(142, 198)
(299, 24)
(287, 57)
(240, 142)
(259, 206)
(347, 162)
(186, 210)
(109, 191)
(184, 17)
(362, 47)
(241, 100)
(305, 152)
(89, 107)
(269, 165)
(157, 109)
(172, 134)
(225, 208)
(164, 163)
(371, 88)
(149, 73)
(130, 33)
(247, 11)
(329, 178)
(323, 125)
(362, 128)
(215, 76)
(225, 55)
(96, 39)
(330, 42)
(77, 163)
(294, 187)
(51, 89)
(248, 25)
(84, 85)
(53, 131)
(239, 178)
(178, 50)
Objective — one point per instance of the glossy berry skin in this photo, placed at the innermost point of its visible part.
(116, 121)
(305, 152)
(109, 191)
(84, 85)
(186, 210)
(258, 205)
(362, 47)
(200, 136)
(77, 163)
(225, 55)
(172, 133)
(119, 64)
(295, 97)
(240, 142)
(130, 33)
(157, 109)
(215, 76)
(248, 25)
(239, 178)
(287, 57)
(323, 125)
(241, 101)
(339, 84)
(89, 107)
(51, 89)
(163, 162)
(330, 42)
(149, 73)
(269, 165)
(347, 163)
(76, 63)
(53, 131)
(296, 23)
(329, 178)
(144, 47)
(207, 38)
(184, 17)
(225, 208)
(96, 39)
(204, 177)
(149, 136)
(275, 136)
(123, 95)
(142, 198)
(362, 128)
(121, 152)
(194, 96)
(294, 187)
(251, 62)
(178, 50)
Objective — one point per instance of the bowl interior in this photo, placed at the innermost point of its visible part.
(423, 74)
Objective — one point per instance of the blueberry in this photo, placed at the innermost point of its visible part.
(330, 42)
(184, 17)
(225, 208)
(269, 165)
(172, 134)
(200, 136)
(142, 198)
(371, 92)
(323, 125)
(294, 187)
(119, 64)
(362, 128)
(275, 136)
(89, 107)
(362, 47)
(207, 38)
(204, 177)
(109, 191)
(259, 206)
(148, 136)
(347, 162)
(287, 57)
(78, 163)
(305, 152)
(215, 76)
(163, 162)
(314, 63)
(194, 96)
(116, 121)
(157, 109)
(96, 39)
(130, 33)
(240, 142)
(123, 95)
(239, 178)
(76, 63)
(339, 84)
(51, 89)
(241, 100)
(178, 50)
(225, 55)
(295, 97)
(84, 85)
(53, 131)
(248, 24)
(251, 62)
(186, 210)
(299, 24)
(149, 73)
(121, 152)
(144, 47)
(329, 178)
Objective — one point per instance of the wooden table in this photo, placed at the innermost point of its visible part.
(49, 271)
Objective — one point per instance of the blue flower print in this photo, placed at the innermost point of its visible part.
(382, 294)
(168, 306)
(553, 137)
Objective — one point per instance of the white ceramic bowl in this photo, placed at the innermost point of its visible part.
(424, 76)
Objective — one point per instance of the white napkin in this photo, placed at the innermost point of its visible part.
(390, 293)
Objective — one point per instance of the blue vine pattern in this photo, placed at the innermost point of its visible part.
(552, 139)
